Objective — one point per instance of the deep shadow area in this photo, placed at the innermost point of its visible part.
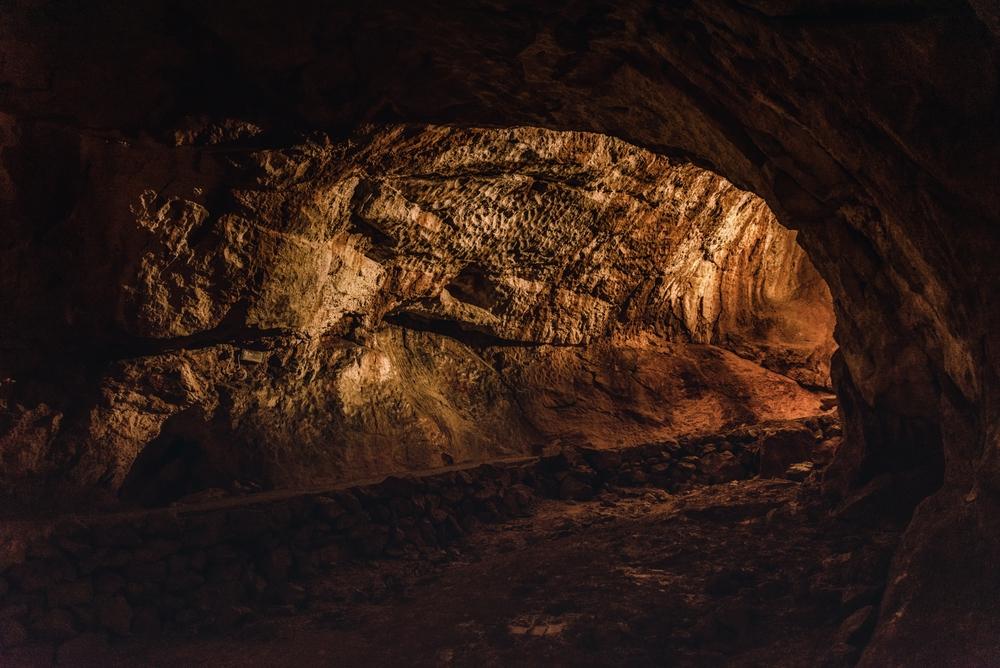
(170, 468)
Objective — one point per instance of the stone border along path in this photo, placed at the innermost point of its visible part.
(208, 566)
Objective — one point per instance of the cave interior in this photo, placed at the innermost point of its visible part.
(500, 333)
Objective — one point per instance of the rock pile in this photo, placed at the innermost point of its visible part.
(212, 565)
(774, 449)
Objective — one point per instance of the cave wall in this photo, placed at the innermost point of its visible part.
(409, 298)
(869, 127)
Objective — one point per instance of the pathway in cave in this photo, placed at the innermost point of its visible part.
(746, 573)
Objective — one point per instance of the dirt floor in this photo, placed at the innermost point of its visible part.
(746, 573)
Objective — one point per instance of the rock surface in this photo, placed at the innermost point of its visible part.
(205, 564)
(734, 574)
(870, 128)
(414, 297)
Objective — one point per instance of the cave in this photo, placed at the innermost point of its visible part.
(505, 333)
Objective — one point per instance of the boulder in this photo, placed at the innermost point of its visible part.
(782, 445)
(722, 467)
(857, 628)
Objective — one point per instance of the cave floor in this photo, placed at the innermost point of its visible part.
(747, 573)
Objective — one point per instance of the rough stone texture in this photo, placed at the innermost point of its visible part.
(871, 128)
(782, 448)
(194, 566)
(735, 574)
(413, 297)
(629, 390)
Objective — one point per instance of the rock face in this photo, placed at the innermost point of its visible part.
(410, 298)
(871, 129)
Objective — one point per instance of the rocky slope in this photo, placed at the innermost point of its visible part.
(410, 298)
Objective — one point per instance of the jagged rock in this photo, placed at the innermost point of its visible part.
(799, 471)
(403, 259)
(856, 629)
(783, 445)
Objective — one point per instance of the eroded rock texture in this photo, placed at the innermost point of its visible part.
(869, 127)
(410, 298)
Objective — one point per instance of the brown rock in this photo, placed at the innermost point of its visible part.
(799, 471)
(55, 624)
(146, 622)
(85, 650)
(329, 509)
(574, 488)
(32, 576)
(783, 445)
(370, 540)
(722, 467)
(12, 633)
(856, 629)
(517, 499)
(115, 615)
(634, 477)
(276, 563)
(69, 594)
(604, 461)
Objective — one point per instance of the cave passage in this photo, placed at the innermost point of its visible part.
(591, 334)
(616, 297)
(332, 310)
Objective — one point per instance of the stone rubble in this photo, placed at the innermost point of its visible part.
(211, 566)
